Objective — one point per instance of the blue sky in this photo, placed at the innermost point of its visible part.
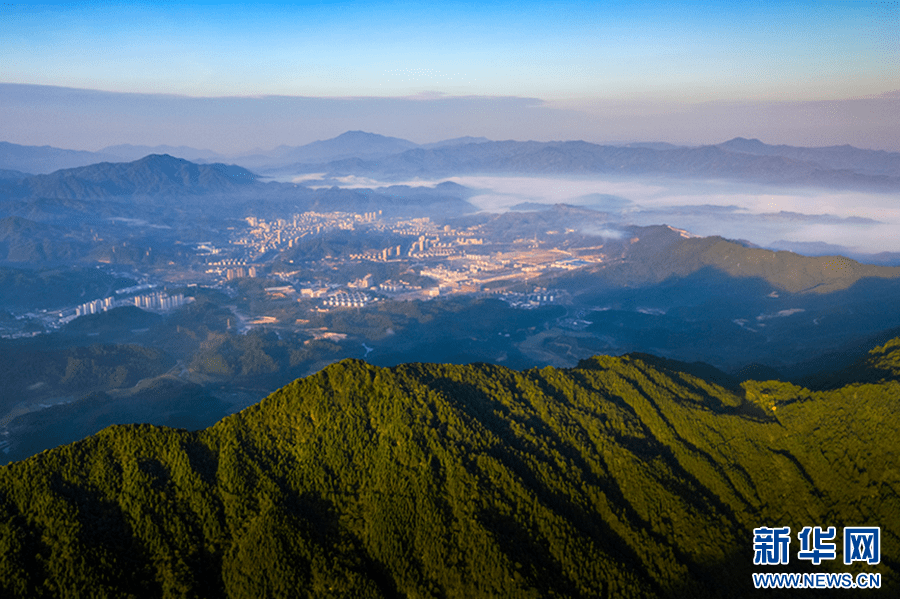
(693, 51)
(594, 58)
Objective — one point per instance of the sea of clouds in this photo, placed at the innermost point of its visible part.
(820, 220)
(810, 221)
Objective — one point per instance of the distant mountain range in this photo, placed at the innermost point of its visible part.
(369, 154)
(360, 153)
(633, 476)
(12, 175)
(352, 144)
(582, 158)
(163, 177)
(846, 157)
(46, 159)
(349, 145)
(16, 160)
(47, 218)
(128, 152)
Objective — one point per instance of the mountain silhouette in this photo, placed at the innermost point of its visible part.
(844, 157)
(583, 158)
(152, 175)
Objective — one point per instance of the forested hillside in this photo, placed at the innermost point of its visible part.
(623, 477)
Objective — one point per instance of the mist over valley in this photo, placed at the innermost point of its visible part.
(239, 280)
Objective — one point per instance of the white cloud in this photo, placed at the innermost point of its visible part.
(734, 211)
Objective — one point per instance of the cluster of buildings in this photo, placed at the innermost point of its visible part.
(382, 255)
(232, 268)
(313, 292)
(423, 247)
(458, 259)
(343, 299)
(397, 287)
(240, 272)
(540, 297)
(414, 227)
(96, 306)
(160, 301)
(280, 234)
(266, 236)
(149, 301)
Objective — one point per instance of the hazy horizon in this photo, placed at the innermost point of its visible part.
(83, 119)
(233, 78)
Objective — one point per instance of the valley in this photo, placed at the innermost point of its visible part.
(282, 279)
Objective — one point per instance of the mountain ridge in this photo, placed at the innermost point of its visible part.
(129, 152)
(658, 253)
(580, 157)
(615, 478)
(847, 157)
(359, 152)
(151, 175)
(351, 144)
(46, 159)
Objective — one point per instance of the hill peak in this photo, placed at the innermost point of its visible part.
(741, 144)
(360, 134)
(150, 175)
(350, 144)
(159, 159)
(365, 137)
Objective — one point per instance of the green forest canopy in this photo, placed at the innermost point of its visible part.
(623, 477)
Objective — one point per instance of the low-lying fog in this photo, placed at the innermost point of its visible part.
(856, 221)
(809, 221)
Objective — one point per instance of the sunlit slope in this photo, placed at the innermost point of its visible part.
(659, 252)
(622, 477)
(785, 270)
